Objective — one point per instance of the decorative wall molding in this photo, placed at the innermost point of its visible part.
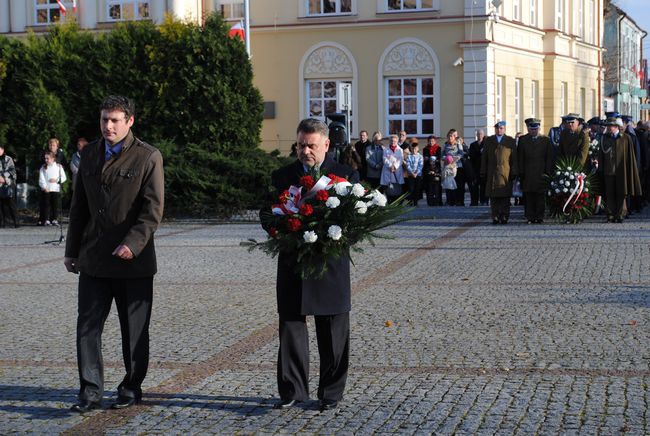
(408, 57)
(328, 61)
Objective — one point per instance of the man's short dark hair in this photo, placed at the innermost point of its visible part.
(313, 125)
(119, 103)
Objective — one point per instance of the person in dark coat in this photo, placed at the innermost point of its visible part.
(327, 299)
(117, 205)
(431, 171)
(574, 142)
(535, 154)
(618, 168)
(476, 187)
(360, 147)
(499, 169)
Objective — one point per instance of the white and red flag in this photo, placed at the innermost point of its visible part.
(63, 9)
(237, 30)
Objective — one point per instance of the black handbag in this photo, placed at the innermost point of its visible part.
(393, 189)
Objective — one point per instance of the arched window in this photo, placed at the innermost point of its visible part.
(322, 69)
(409, 88)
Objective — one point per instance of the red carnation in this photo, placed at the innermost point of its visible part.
(273, 232)
(284, 196)
(322, 195)
(307, 181)
(293, 224)
(306, 210)
(335, 179)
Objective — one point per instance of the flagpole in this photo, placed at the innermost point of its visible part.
(247, 25)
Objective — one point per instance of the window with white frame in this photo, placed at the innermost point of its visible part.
(533, 13)
(564, 97)
(591, 17)
(47, 12)
(230, 10)
(559, 15)
(408, 5)
(580, 19)
(322, 98)
(516, 10)
(594, 103)
(120, 10)
(498, 97)
(409, 103)
(329, 7)
(518, 103)
(534, 98)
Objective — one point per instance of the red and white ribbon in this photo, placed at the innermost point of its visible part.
(580, 179)
(292, 204)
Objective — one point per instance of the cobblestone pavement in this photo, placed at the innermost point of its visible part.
(515, 329)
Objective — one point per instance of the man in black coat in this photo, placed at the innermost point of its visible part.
(327, 298)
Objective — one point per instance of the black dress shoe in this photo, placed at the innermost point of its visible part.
(495, 221)
(328, 405)
(123, 402)
(84, 406)
(286, 404)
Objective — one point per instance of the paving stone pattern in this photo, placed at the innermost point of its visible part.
(517, 329)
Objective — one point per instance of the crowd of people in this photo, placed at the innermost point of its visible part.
(501, 170)
(52, 177)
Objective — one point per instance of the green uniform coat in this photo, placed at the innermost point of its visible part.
(574, 145)
(621, 151)
(499, 165)
(535, 161)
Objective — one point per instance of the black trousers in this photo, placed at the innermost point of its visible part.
(459, 195)
(7, 210)
(413, 185)
(534, 205)
(432, 190)
(500, 207)
(333, 338)
(133, 299)
(50, 206)
(614, 204)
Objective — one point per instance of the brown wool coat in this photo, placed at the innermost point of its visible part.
(499, 165)
(535, 161)
(574, 144)
(116, 202)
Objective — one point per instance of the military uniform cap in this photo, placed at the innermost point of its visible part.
(626, 118)
(533, 122)
(500, 124)
(594, 121)
(571, 117)
(613, 114)
(614, 121)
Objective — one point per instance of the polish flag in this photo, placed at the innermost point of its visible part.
(237, 30)
(74, 6)
(62, 8)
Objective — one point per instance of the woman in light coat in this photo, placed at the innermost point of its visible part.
(392, 172)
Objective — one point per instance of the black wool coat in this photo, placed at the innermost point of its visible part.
(329, 295)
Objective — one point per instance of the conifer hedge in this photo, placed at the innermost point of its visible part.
(194, 95)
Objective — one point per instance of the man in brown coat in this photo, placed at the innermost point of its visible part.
(498, 169)
(117, 205)
(574, 142)
(535, 154)
(619, 170)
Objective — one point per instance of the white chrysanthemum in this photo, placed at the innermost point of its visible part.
(571, 177)
(566, 173)
(361, 207)
(549, 193)
(553, 184)
(358, 190)
(569, 169)
(557, 173)
(332, 202)
(557, 191)
(379, 199)
(561, 182)
(565, 190)
(341, 188)
(567, 183)
(586, 189)
(310, 237)
(335, 232)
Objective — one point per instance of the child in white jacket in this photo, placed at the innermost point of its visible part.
(50, 178)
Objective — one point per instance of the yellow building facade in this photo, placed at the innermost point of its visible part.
(426, 66)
